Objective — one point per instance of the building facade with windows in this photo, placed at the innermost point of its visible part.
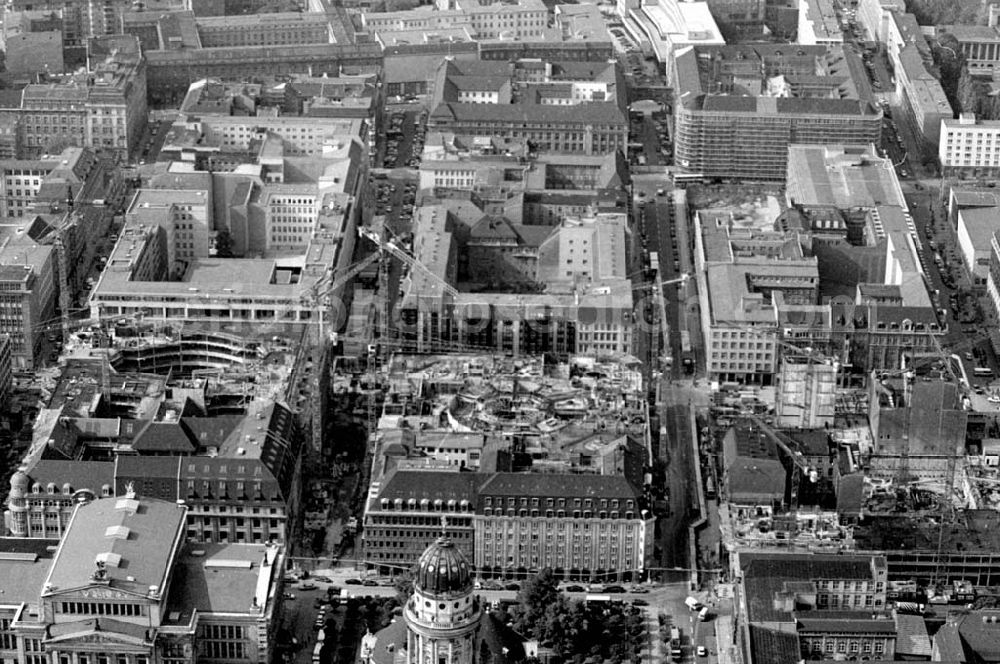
(28, 291)
(409, 508)
(584, 527)
(104, 108)
(742, 106)
(41, 500)
(969, 145)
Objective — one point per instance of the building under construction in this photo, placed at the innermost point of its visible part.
(807, 394)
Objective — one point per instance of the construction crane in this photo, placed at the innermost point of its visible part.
(801, 351)
(406, 258)
(319, 293)
(796, 457)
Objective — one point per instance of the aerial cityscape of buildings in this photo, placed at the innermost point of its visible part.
(497, 332)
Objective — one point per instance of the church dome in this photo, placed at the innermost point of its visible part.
(19, 484)
(443, 569)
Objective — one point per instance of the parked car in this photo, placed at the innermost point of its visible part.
(353, 582)
(512, 586)
(575, 589)
(369, 582)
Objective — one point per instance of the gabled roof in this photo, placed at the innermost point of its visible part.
(164, 437)
(772, 646)
(911, 636)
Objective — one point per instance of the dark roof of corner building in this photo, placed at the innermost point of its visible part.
(150, 476)
(189, 435)
(759, 481)
(804, 566)
(260, 448)
(851, 494)
(773, 646)
(562, 485)
(599, 112)
(405, 484)
(846, 622)
(78, 475)
(811, 442)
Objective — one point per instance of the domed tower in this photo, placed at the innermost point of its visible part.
(442, 616)
(18, 505)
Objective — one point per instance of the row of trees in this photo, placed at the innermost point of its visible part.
(577, 630)
(966, 93)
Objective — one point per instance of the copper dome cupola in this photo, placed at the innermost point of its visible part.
(443, 570)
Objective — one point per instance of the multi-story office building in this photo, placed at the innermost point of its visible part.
(746, 279)
(512, 525)
(585, 306)
(298, 135)
(969, 145)
(740, 107)
(523, 19)
(104, 108)
(123, 577)
(299, 213)
(583, 527)
(578, 108)
(874, 17)
(803, 606)
(919, 90)
(277, 29)
(28, 292)
(409, 508)
(818, 23)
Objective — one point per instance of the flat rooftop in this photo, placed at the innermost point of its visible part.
(23, 569)
(842, 176)
(222, 578)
